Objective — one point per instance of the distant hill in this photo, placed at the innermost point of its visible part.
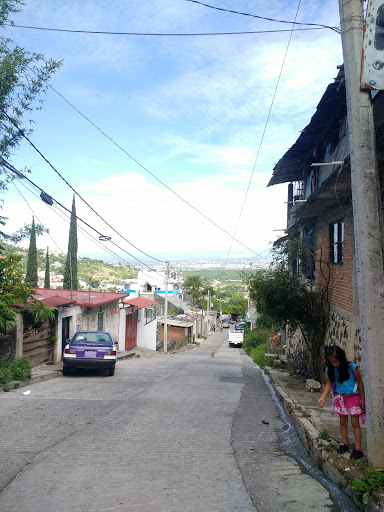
(88, 268)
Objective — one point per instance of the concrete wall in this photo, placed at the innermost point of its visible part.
(146, 333)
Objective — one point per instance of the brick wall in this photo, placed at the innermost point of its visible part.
(173, 333)
(341, 277)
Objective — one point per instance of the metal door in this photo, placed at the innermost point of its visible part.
(131, 330)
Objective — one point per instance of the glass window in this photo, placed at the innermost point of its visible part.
(337, 242)
(150, 314)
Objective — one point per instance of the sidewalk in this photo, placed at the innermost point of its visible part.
(310, 420)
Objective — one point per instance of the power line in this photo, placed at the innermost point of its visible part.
(137, 162)
(70, 186)
(29, 206)
(336, 29)
(263, 134)
(49, 199)
(66, 217)
(153, 34)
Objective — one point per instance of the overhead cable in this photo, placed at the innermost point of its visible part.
(153, 34)
(29, 206)
(263, 135)
(75, 191)
(51, 200)
(336, 29)
(137, 162)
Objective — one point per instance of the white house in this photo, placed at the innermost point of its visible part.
(153, 282)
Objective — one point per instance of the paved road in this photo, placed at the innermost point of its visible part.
(175, 432)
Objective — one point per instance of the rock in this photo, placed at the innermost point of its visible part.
(312, 385)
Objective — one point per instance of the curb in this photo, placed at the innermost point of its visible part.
(338, 469)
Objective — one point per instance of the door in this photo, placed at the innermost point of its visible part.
(131, 330)
(64, 332)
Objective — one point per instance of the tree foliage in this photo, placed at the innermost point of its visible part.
(31, 276)
(24, 77)
(14, 291)
(286, 298)
(47, 281)
(70, 272)
(193, 285)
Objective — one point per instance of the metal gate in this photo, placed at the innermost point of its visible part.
(131, 330)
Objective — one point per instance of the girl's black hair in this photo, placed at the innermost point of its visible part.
(343, 369)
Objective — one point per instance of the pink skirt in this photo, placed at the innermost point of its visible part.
(347, 405)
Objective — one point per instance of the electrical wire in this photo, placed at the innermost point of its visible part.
(336, 29)
(150, 34)
(138, 163)
(66, 216)
(101, 236)
(29, 206)
(70, 186)
(263, 134)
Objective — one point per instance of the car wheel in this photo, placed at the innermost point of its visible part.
(111, 371)
(65, 370)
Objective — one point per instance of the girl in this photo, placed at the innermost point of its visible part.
(348, 396)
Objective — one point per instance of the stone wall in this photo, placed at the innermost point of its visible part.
(343, 330)
(7, 345)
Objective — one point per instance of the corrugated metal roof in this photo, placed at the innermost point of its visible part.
(139, 302)
(325, 121)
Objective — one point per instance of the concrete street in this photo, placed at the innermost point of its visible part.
(172, 432)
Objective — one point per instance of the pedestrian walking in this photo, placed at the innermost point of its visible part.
(347, 387)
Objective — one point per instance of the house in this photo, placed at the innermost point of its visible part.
(153, 282)
(317, 170)
(130, 323)
(139, 323)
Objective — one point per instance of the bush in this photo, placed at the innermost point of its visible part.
(253, 339)
(17, 368)
(257, 355)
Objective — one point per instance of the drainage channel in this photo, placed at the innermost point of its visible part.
(291, 444)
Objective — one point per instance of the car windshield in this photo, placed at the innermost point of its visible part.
(92, 337)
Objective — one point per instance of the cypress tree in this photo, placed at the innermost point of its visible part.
(47, 280)
(31, 275)
(71, 263)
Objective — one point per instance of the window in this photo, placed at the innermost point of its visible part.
(100, 321)
(337, 241)
(150, 314)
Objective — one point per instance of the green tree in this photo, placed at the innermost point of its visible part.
(14, 291)
(70, 280)
(193, 285)
(31, 275)
(287, 299)
(47, 280)
(24, 77)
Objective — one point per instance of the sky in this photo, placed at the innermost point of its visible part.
(193, 125)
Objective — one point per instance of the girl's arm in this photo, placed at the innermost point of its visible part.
(326, 390)
(360, 383)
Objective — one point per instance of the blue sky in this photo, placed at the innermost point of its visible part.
(191, 110)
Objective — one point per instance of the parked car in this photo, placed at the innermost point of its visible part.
(225, 323)
(240, 326)
(90, 349)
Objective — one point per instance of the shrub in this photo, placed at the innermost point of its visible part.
(253, 339)
(17, 368)
(257, 355)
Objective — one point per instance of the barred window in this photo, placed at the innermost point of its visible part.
(337, 242)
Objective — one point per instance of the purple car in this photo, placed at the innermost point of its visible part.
(90, 349)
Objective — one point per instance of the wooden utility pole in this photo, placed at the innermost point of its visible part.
(366, 216)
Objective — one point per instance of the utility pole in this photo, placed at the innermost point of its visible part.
(208, 304)
(166, 307)
(366, 216)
